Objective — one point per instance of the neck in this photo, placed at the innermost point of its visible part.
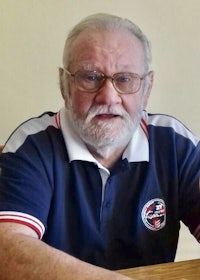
(107, 156)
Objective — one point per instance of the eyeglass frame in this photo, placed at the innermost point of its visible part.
(105, 77)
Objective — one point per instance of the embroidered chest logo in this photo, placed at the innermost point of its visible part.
(154, 214)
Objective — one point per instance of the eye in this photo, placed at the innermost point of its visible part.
(123, 78)
(89, 76)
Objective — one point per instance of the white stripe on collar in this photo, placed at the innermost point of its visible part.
(136, 151)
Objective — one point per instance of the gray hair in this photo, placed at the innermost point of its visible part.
(107, 22)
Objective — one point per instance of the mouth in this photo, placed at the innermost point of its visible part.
(105, 117)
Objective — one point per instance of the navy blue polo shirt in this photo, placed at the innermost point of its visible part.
(124, 217)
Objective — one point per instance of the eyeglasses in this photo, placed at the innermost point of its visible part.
(92, 81)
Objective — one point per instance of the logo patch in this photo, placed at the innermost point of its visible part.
(154, 214)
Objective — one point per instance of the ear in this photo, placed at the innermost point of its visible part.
(64, 87)
(61, 81)
(148, 89)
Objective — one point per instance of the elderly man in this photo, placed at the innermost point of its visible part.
(101, 185)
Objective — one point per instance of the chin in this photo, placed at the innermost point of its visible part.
(107, 138)
(103, 134)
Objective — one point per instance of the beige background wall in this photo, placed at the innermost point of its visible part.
(32, 34)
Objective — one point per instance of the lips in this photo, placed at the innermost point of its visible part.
(106, 116)
(105, 113)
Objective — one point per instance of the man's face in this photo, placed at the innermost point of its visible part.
(106, 117)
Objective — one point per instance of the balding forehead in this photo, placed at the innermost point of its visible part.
(85, 43)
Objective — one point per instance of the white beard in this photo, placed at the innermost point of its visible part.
(105, 136)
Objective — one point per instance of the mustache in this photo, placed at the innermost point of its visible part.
(104, 109)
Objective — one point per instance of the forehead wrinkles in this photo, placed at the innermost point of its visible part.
(92, 49)
(95, 47)
(82, 48)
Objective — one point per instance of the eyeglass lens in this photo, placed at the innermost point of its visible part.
(92, 81)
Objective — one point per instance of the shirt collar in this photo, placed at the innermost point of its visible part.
(136, 151)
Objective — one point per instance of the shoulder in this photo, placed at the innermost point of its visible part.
(171, 126)
(31, 128)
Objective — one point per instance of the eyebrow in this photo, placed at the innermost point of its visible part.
(98, 67)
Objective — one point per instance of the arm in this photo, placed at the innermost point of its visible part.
(23, 256)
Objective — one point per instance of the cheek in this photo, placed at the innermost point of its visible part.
(80, 104)
(133, 105)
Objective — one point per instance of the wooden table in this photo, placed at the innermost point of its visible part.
(184, 270)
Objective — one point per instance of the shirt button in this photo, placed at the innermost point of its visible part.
(107, 205)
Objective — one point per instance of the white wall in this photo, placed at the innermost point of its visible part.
(32, 34)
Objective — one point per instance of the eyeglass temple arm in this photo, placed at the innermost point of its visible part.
(66, 71)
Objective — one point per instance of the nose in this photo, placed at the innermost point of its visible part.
(107, 94)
